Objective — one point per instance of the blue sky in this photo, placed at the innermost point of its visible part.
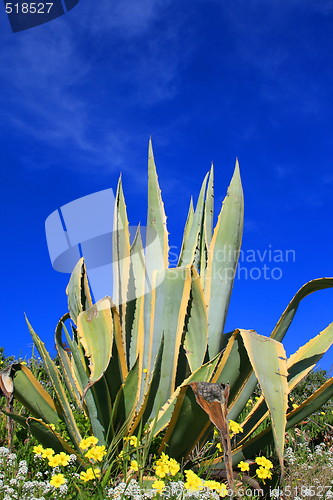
(209, 80)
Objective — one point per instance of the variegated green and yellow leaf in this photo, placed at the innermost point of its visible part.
(299, 365)
(58, 388)
(195, 342)
(269, 362)
(29, 391)
(137, 293)
(78, 292)
(288, 315)
(95, 333)
(157, 245)
(120, 254)
(170, 300)
(192, 243)
(252, 446)
(222, 262)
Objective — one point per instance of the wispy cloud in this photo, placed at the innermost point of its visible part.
(74, 83)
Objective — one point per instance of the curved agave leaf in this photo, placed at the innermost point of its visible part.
(195, 342)
(279, 332)
(288, 315)
(195, 232)
(126, 400)
(269, 362)
(170, 301)
(222, 262)
(307, 356)
(43, 433)
(33, 396)
(120, 345)
(120, 254)
(209, 209)
(78, 291)
(309, 406)
(66, 363)
(187, 229)
(149, 397)
(137, 290)
(156, 250)
(93, 405)
(207, 226)
(299, 365)
(58, 388)
(95, 333)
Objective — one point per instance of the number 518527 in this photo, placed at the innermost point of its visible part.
(29, 8)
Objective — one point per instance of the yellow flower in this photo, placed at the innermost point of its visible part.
(51, 426)
(264, 462)
(222, 490)
(158, 485)
(145, 370)
(90, 474)
(57, 480)
(322, 413)
(173, 466)
(47, 453)
(263, 473)
(295, 405)
(219, 447)
(161, 470)
(133, 440)
(38, 450)
(244, 466)
(234, 427)
(87, 442)
(193, 482)
(212, 485)
(164, 457)
(96, 453)
(249, 403)
(216, 433)
(165, 465)
(64, 458)
(134, 465)
(54, 461)
(23, 363)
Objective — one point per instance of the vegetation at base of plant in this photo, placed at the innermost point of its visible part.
(309, 470)
(62, 476)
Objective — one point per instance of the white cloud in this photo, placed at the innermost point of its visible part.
(58, 76)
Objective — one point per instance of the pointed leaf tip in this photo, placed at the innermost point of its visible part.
(237, 167)
(150, 149)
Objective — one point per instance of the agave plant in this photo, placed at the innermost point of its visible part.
(133, 359)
